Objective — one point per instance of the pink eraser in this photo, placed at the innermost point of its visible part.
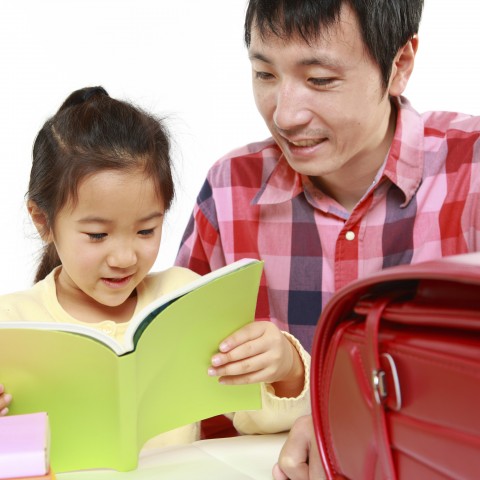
(24, 445)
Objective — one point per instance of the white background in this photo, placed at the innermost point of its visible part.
(180, 58)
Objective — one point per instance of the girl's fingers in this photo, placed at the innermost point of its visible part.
(241, 367)
(258, 352)
(4, 402)
(242, 352)
(249, 332)
(252, 377)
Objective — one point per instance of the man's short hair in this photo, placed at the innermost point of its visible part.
(386, 25)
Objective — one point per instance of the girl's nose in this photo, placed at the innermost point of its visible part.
(122, 256)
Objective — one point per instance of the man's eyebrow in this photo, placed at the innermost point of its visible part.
(320, 61)
(258, 56)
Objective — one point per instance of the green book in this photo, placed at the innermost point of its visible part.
(105, 400)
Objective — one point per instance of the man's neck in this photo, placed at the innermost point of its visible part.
(348, 185)
(347, 191)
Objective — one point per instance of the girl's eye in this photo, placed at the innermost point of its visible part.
(96, 236)
(146, 233)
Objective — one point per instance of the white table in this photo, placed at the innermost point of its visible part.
(248, 457)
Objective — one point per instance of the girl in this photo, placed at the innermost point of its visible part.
(100, 186)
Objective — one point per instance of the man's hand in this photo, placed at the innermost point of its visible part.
(299, 458)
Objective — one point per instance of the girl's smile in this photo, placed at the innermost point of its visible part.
(120, 282)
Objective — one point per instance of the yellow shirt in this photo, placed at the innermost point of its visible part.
(40, 304)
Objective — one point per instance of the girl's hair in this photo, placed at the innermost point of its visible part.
(92, 132)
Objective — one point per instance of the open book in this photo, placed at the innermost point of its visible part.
(105, 400)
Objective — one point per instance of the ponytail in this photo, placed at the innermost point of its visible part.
(48, 262)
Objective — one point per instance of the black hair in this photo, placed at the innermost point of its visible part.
(386, 25)
(93, 132)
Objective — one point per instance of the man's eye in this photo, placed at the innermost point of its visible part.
(322, 82)
(263, 75)
(96, 236)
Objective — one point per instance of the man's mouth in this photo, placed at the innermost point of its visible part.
(307, 143)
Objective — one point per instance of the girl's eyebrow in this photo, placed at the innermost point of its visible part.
(152, 216)
(95, 219)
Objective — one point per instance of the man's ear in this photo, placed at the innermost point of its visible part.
(40, 220)
(402, 67)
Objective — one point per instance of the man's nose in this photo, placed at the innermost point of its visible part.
(291, 108)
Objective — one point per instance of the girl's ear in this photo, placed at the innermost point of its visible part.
(403, 67)
(39, 219)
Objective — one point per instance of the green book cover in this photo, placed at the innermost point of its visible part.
(105, 400)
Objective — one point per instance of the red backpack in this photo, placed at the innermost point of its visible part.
(396, 374)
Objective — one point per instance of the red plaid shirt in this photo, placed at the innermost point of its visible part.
(423, 204)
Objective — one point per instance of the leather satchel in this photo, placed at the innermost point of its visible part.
(396, 374)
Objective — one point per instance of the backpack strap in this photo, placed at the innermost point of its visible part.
(379, 393)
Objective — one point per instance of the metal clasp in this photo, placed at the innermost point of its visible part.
(379, 384)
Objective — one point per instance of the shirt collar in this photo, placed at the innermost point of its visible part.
(283, 184)
(403, 166)
(405, 160)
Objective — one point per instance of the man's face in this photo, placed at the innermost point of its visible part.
(324, 103)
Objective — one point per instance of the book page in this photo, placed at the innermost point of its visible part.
(174, 352)
(168, 298)
(81, 387)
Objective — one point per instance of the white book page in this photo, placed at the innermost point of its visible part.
(75, 328)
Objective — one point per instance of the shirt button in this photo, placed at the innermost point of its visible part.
(108, 327)
(350, 235)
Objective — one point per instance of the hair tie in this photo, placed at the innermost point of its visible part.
(83, 95)
(93, 91)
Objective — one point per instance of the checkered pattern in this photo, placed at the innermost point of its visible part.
(424, 204)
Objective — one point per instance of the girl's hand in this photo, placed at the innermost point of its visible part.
(5, 399)
(259, 352)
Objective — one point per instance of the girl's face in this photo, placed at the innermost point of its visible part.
(108, 241)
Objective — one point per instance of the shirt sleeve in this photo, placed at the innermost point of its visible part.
(200, 249)
(277, 414)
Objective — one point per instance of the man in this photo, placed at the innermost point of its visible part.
(353, 180)
(299, 458)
